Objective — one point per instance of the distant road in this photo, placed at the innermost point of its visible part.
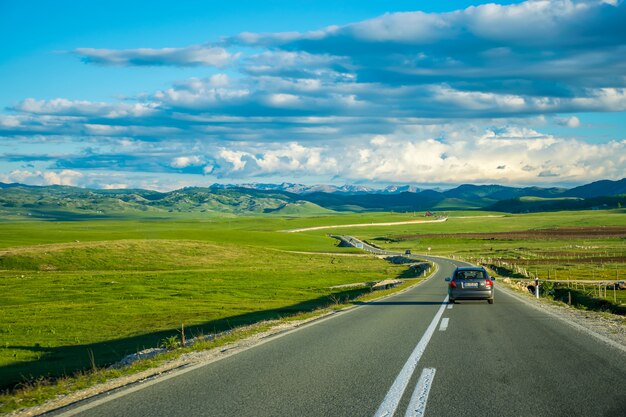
(307, 229)
(410, 354)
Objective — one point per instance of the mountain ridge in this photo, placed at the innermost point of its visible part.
(68, 202)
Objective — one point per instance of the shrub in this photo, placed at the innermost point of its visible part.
(170, 343)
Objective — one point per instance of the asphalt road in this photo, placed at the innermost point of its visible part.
(407, 354)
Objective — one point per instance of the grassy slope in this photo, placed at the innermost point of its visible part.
(301, 208)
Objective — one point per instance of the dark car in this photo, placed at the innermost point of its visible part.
(470, 283)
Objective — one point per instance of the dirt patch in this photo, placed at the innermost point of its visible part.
(539, 234)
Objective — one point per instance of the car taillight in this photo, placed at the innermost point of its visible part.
(452, 284)
(488, 282)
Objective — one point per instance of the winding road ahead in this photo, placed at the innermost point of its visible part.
(410, 354)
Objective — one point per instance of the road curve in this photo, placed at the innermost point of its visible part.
(505, 359)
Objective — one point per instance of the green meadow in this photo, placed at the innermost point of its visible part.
(76, 292)
(82, 293)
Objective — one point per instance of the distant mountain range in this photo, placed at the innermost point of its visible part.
(72, 203)
(307, 189)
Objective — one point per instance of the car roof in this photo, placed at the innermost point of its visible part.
(470, 268)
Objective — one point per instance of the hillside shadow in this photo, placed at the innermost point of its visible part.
(68, 216)
(65, 360)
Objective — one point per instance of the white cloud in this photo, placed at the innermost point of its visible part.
(202, 93)
(391, 98)
(185, 161)
(282, 100)
(24, 177)
(115, 186)
(9, 121)
(61, 106)
(509, 155)
(191, 56)
(63, 177)
(235, 158)
(572, 121)
(295, 157)
(378, 140)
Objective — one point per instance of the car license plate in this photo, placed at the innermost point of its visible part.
(470, 285)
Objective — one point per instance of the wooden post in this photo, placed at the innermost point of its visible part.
(183, 341)
(569, 298)
(614, 294)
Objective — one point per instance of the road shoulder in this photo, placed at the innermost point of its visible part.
(605, 327)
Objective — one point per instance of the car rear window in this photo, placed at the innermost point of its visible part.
(470, 275)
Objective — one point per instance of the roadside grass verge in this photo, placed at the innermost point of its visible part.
(580, 296)
(40, 390)
(585, 299)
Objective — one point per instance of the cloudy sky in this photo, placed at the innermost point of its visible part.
(140, 94)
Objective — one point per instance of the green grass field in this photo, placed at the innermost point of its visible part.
(565, 245)
(69, 290)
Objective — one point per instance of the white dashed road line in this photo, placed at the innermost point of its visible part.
(392, 399)
(444, 324)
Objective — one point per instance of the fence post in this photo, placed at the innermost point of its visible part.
(537, 286)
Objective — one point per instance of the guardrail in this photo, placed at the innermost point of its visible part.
(357, 243)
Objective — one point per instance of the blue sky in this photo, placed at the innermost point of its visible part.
(140, 94)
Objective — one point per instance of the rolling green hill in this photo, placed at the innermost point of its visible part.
(73, 203)
(300, 208)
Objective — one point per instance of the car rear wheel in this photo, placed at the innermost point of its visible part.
(490, 301)
(452, 301)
